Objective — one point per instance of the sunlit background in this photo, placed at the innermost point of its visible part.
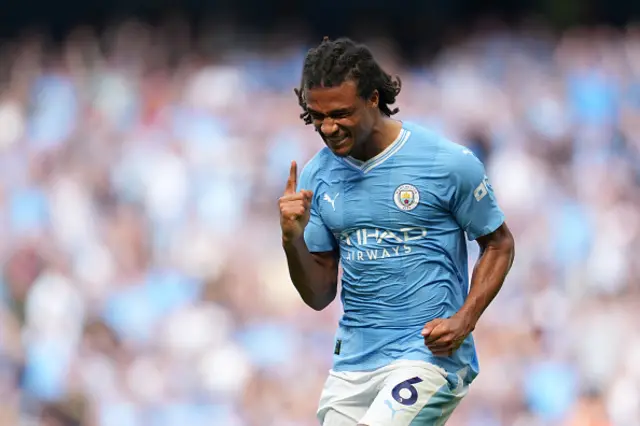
(142, 153)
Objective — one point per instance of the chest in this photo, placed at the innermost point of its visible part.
(392, 199)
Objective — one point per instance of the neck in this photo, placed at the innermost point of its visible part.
(384, 133)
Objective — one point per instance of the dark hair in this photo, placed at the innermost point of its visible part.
(333, 62)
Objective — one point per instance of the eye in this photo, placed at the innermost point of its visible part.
(341, 114)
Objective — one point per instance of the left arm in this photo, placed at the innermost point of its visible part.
(472, 203)
(497, 251)
(443, 336)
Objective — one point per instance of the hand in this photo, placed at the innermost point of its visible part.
(295, 208)
(443, 336)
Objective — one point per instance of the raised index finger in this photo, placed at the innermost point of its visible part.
(292, 182)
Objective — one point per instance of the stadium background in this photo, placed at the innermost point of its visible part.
(144, 145)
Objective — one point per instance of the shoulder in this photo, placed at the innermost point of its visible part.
(454, 157)
(320, 163)
(440, 155)
(421, 137)
(447, 159)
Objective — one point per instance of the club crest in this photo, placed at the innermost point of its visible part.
(406, 197)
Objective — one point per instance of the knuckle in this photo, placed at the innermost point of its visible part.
(285, 210)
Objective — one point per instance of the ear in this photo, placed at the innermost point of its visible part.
(374, 99)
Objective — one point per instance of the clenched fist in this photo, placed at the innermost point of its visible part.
(295, 208)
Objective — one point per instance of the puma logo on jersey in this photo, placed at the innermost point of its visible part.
(330, 201)
(393, 411)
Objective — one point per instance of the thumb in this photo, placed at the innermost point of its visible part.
(307, 194)
(430, 326)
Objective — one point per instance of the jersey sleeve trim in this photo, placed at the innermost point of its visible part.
(488, 229)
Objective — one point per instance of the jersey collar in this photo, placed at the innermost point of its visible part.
(395, 146)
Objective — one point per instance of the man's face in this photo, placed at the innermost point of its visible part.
(343, 119)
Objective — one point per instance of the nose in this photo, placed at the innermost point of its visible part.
(328, 127)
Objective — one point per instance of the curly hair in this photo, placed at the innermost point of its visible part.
(334, 62)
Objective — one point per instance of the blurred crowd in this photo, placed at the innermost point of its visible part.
(143, 281)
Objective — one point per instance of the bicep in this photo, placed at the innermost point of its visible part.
(500, 239)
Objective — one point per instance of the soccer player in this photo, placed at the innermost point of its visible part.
(392, 202)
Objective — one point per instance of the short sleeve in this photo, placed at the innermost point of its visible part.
(473, 202)
(317, 236)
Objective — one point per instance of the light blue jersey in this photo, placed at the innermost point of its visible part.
(399, 223)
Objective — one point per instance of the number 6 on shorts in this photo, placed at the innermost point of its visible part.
(426, 398)
(406, 385)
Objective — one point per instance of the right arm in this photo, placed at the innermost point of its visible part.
(315, 275)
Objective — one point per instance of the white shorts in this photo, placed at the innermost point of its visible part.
(405, 393)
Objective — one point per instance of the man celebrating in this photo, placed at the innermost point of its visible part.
(392, 202)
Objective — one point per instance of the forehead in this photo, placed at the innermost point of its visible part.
(331, 98)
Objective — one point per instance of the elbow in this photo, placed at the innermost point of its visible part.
(319, 304)
(318, 307)
(320, 301)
